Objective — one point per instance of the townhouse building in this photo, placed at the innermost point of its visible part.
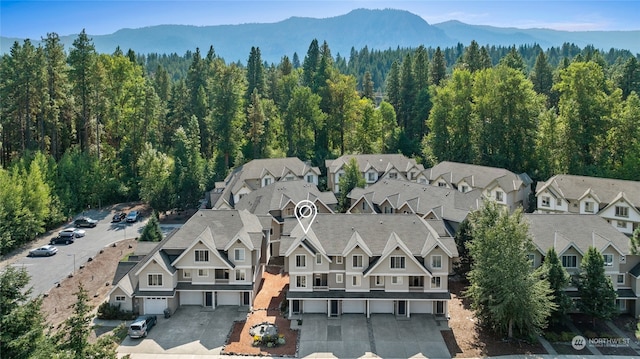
(373, 168)
(617, 201)
(497, 184)
(214, 259)
(368, 263)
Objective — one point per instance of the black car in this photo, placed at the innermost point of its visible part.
(85, 222)
(65, 240)
(119, 217)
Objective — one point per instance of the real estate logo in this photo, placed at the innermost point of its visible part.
(578, 342)
(306, 212)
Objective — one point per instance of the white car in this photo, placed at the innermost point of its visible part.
(72, 232)
(44, 251)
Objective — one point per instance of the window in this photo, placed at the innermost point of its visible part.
(202, 255)
(288, 211)
(499, 196)
(371, 176)
(356, 281)
(238, 254)
(442, 184)
(338, 259)
(622, 304)
(357, 261)
(154, 280)
(436, 261)
(339, 278)
(546, 201)
(396, 280)
(120, 298)
(622, 211)
(393, 175)
(301, 281)
(620, 279)
(301, 260)
(310, 178)
(203, 272)
(532, 259)
(397, 262)
(388, 210)
(608, 260)
(570, 261)
(379, 280)
(222, 274)
(266, 182)
(288, 178)
(621, 224)
(241, 275)
(435, 282)
(588, 207)
(416, 281)
(318, 258)
(464, 188)
(186, 273)
(559, 202)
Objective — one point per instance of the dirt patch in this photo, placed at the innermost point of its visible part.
(96, 277)
(266, 309)
(467, 340)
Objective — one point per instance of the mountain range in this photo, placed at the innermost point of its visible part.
(376, 29)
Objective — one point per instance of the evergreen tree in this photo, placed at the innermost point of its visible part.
(152, 231)
(463, 238)
(542, 75)
(513, 60)
(367, 86)
(352, 178)
(558, 278)
(81, 59)
(630, 79)
(506, 295)
(310, 66)
(255, 74)
(74, 335)
(437, 68)
(597, 296)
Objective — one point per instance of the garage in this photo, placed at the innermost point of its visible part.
(421, 307)
(314, 306)
(353, 306)
(190, 298)
(155, 305)
(381, 306)
(228, 298)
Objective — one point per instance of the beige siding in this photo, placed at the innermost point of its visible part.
(189, 259)
(126, 305)
(168, 282)
(437, 251)
(335, 266)
(360, 279)
(309, 260)
(248, 255)
(411, 268)
(333, 283)
(349, 260)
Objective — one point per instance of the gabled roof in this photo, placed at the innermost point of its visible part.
(482, 176)
(607, 189)
(394, 242)
(422, 198)
(621, 197)
(356, 241)
(159, 258)
(589, 192)
(580, 231)
(275, 197)
(382, 163)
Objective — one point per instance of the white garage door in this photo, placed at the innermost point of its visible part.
(353, 306)
(314, 306)
(228, 298)
(381, 306)
(155, 305)
(421, 307)
(190, 298)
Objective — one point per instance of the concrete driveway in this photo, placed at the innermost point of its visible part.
(190, 330)
(352, 336)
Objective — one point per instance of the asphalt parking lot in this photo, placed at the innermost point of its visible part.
(192, 330)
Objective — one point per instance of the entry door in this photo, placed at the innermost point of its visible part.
(296, 307)
(439, 307)
(402, 307)
(246, 298)
(334, 308)
(208, 299)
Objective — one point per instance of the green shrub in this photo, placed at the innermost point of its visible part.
(110, 311)
(566, 336)
(551, 336)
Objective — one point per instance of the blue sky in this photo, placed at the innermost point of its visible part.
(34, 19)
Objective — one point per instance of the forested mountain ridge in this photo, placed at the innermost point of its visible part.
(376, 29)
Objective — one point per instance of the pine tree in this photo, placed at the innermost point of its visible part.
(597, 296)
(82, 58)
(152, 231)
(352, 178)
(558, 278)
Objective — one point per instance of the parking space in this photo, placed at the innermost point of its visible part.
(384, 335)
(190, 330)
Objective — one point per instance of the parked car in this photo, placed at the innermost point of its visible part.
(71, 233)
(140, 327)
(133, 216)
(44, 251)
(65, 240)
(85, 222)
(119, 217)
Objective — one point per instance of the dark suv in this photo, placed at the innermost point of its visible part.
(85, 222)
(141, 326)
(65, 240)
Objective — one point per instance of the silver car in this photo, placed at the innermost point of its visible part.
(44, 251)
(141, 326)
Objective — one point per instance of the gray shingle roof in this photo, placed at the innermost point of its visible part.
(380, 162)
(582, 230)
(374, 294)
(446, 202)
(606, 189)
(276, 195)
(477, 176)
(334, 231)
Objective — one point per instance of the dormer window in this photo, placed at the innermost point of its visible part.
(622, 211)
(266, 181)
(464, 189)
(588, 207)
(238, 254)
(371, 176)
(289, 178)
(546, 201)
(499, 196)
(397, 262)
(202, 255)
(436, 261)
(442, 184)
(310, 178)
(393, 175)
(608, 260)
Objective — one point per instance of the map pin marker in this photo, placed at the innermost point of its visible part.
(306, 213)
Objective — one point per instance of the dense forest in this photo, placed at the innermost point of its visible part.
(79, 128)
